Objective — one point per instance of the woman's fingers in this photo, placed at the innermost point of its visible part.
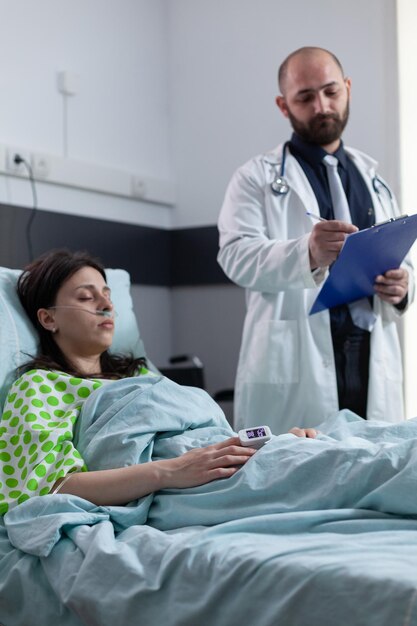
(221, 472)
(226, 455)
(311, 433)
(231, 458)
(232, 441)
(202, 465)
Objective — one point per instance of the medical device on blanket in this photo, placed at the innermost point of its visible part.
(255, 437)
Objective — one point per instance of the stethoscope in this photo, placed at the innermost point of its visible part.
(380, 186)
(280, 186)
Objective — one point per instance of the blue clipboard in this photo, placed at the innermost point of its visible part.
(364, 255)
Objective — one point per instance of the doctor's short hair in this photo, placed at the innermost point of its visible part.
(306, 51)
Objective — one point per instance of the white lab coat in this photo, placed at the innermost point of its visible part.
(286, 372)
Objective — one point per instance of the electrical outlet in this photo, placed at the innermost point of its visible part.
(17, 169)
(41, 165)
(138, 187)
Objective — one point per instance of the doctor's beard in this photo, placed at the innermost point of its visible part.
(322, 129)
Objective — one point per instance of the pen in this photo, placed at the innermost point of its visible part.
(316, 217)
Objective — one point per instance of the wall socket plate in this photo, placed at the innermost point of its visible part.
(41, 165)
(17, 169)
(138, 187)
(58, 170)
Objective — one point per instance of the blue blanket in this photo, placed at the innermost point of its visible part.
(284, 540)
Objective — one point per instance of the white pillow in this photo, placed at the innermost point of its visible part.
(18, 338)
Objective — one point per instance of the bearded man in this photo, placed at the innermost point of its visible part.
(283, 222)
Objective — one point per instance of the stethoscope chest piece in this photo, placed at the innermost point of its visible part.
(280, 186)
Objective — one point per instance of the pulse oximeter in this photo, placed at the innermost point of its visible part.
(254, 437)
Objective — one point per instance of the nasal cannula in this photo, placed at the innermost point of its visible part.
(103, 313)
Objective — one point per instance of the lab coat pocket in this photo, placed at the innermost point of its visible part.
(272, 355)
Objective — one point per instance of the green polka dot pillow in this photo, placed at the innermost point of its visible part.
(18, 338)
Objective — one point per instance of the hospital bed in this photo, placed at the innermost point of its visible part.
(73, 563)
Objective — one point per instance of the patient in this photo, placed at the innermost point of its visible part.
(66, 297)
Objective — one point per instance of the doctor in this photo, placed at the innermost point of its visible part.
(296, 368)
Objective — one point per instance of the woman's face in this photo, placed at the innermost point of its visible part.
(77, 329)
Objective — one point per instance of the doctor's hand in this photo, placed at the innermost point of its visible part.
(326, 241)
(392, 287)
(202, 465)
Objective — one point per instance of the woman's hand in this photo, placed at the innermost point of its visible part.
(124, 484)
(202, 465)
(311, 433)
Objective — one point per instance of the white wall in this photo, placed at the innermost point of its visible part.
(119, 118)
(181, 90)
(224, 56)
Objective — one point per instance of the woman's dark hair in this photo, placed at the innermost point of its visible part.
(37, 288)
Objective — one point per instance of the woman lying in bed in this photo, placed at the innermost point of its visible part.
(67, 299)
